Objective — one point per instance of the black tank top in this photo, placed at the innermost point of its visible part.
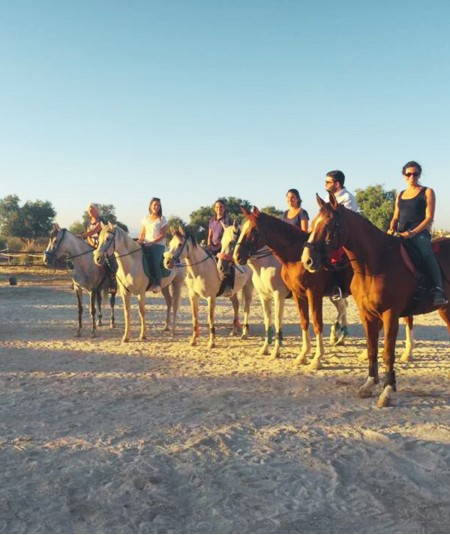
(412, 211)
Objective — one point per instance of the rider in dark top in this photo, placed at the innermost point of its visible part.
(413, 217)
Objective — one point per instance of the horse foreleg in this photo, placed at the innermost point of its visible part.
(266, 304)
(279, 308)
(194, 299)
(176, 297)
(99, 298)
(372, 329)
(112, 303)
(247, 296)
(236, 325)
(212, 328)
(79, 296)
(302, 307)
(168, 299)
(390, 325)
(92, 298)
(317, 318)
(126, 298)
(409, 342)
(141, 299)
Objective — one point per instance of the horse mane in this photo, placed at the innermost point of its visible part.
(362, 220)
(291, 232)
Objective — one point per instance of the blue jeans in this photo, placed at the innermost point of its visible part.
(155, 254)
(422, 242)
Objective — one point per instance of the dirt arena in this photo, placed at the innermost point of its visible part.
(158, 437)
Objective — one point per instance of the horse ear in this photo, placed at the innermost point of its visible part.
(255, 211)
(333, 201)
(245, 211)
(181, 231)
(320, 201)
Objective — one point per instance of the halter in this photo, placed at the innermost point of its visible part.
(52, 255)
(323, 247)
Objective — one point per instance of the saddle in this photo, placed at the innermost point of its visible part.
(147, 264)
(422, 300)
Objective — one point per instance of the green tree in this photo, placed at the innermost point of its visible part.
(31, 221)
(174, 222)
(199, 219)
(271, 210)
(377, 204)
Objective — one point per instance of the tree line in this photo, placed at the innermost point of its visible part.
(33, 221)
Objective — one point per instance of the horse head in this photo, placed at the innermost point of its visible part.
(106, 243)
(251, 238)
(228, 244)
(326, 234)
(177, 248)
(54, 245)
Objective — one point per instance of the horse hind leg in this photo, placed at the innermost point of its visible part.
(247, 297)
(372, 329)
(236, 323)
(99, 299)
(339, 329)
(268, 325)
(409, 341)
(168, 299)
(112, 304)
(176, 297)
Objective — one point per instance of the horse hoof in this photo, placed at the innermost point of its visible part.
(315, 366)
(406, 357)
(340, 341)
(264, 350)
(300, 360)
(193, 342)
(125, 340)
(244, 336)
(385, 398)
(275, 355)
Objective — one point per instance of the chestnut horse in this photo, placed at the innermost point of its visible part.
(287, 242)
(383, 286)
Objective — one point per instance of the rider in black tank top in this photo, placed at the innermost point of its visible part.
(412, 211)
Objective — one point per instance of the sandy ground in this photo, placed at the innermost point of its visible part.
(156, 436)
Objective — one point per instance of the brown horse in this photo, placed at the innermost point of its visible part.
(383, 286)
(287, 242)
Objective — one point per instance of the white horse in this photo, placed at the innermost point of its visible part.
(132, 279)
(204, 280)
(267, 281)
(63, 245)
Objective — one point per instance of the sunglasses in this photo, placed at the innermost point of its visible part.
(329, 181)
(415, 175)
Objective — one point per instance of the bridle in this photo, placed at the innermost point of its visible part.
(330, 243)
(53, 255)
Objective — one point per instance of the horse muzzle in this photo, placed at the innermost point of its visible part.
(99, 258)
(48, 258)
(310, 259)
(168, 261)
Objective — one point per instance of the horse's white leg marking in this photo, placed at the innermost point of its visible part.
(305, 349)
(385, 397)
(409, 343)
(316, 363)
(365, 391)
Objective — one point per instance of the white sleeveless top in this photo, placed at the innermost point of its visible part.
(153, 229)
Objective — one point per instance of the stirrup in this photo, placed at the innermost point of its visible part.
(336, 293)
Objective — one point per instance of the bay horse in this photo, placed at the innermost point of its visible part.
(204, 280)
(63, 245)
(383, 285)
(131, 277)
(308, 289)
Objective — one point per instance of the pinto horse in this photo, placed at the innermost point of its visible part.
(204, 280)
(287, 242)
(131, 277)
(383, 286)
(267, 281)
(63, 245)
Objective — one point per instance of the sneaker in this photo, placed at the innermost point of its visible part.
(336, 293)
(156, 288)
(439, 299)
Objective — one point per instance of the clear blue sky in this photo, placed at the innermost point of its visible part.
(188, 100)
